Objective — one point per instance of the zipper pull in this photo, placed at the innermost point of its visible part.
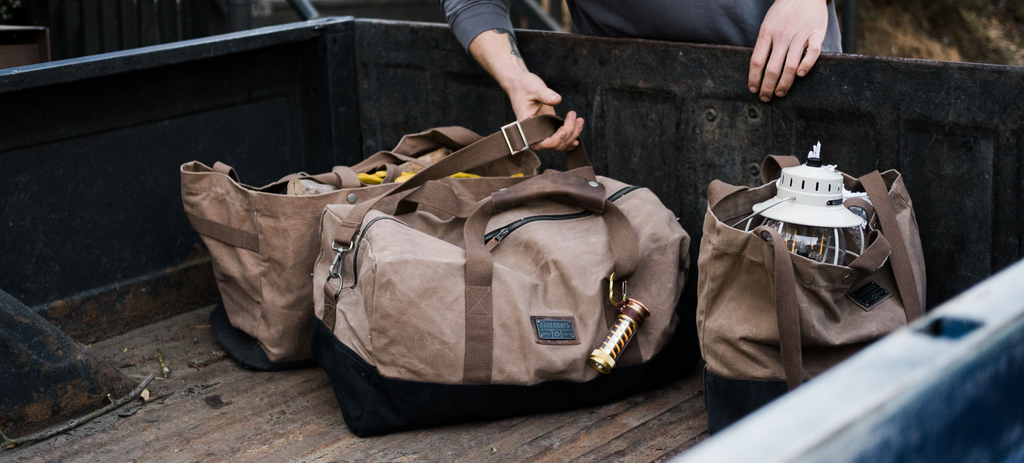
(502, 234)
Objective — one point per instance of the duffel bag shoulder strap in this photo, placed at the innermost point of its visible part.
(509, 141)
(874, 185)
(563, 187)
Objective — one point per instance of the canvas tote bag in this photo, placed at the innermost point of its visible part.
(769, 320)
(429, 305)
(263, 243)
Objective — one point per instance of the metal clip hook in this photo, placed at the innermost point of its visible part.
(336, 266)
(611, 291)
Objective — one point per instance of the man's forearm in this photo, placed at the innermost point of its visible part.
(497, 52)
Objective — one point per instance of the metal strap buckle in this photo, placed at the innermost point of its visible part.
(526, 145)
(336, 266)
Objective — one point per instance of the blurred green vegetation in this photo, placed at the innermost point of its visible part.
(12, 11)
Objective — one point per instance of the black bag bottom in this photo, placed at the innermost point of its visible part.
(727, 400)
(244, 348)
(372, 404)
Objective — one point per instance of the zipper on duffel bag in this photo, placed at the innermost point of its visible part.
(498, 234)
(503, 232)
(359, 244)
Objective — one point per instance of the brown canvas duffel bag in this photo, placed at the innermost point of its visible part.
(263, 242)
(769, 320)
(431, 309)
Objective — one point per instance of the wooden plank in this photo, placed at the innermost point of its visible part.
(684, 446)
(657, 437)
(570, 441)
(514, 442)
(215, 410)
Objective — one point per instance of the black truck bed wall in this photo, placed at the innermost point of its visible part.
(93, 235)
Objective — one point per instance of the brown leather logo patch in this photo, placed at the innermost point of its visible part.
(555, 330)
(869, 295)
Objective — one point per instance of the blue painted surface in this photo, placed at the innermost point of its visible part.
(949, 388)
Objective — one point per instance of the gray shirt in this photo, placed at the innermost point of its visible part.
(724, 22)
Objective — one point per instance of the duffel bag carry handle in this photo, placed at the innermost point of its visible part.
(874, 185)
(347, 177)
(221, 168)
(772, 166)
(563, 187)
(411, 145)
(787, 313)
(509, 141)
(339, 176)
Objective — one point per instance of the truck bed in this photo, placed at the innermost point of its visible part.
(211, 409)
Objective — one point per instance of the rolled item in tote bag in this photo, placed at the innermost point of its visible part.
(263, 243)
(469, 299)
(769, 319)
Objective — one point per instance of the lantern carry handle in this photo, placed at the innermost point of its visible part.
(751, 216)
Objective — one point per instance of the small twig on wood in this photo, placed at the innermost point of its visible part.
(163, 366)
(8, 443)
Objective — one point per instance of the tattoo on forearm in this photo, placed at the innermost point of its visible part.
(511, 42)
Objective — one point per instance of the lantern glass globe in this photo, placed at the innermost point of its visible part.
(822, 244)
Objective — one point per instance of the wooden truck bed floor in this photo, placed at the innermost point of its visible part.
(211, 409)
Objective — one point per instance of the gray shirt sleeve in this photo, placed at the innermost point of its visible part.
(468, 18)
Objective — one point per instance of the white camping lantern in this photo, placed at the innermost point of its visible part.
(808, 212)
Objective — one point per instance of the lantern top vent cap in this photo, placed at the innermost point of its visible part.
(809, 195)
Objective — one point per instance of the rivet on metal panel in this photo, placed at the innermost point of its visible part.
(754, 168)
(753, 112)
(351, 198)
(711, 115)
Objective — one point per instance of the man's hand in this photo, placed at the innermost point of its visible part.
(497, 52)
(790, 28)
(531, 97)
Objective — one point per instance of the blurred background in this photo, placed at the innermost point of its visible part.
(983, 31)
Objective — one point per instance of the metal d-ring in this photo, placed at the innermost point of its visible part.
(336, 266)
(611, 291)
